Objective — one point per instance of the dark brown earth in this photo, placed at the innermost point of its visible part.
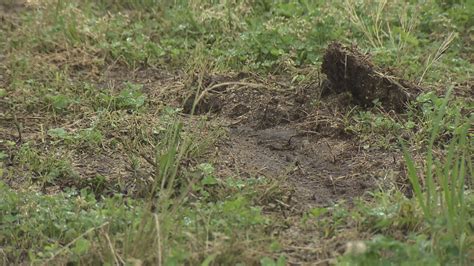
(349, 70)
(277, 132)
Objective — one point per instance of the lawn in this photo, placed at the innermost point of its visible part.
(146, 132)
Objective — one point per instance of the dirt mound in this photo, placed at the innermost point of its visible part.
(349, 70)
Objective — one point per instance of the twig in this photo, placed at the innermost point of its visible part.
(116, 256)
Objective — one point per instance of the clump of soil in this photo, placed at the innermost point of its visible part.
(348, 70)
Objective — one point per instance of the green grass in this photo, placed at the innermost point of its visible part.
(447, 209)
(67, 102)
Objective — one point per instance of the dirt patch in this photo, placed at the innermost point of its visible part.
(9, 10)
(321, 170)
(280, 134)
(294, 136)
(274, 130)
(108, 173)
(349, 70)
(9, 6)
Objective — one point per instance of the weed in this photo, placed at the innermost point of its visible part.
(445, 207)
(393, 252)
(47, 169)
(88, 137)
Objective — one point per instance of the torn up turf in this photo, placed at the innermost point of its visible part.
(348, 70)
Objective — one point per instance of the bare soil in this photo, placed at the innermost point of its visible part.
(279, 133)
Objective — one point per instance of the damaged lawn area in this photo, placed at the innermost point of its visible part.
(236, 132)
